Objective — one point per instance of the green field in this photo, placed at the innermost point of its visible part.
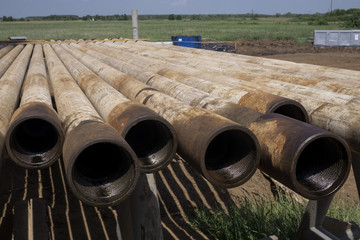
(162, 30)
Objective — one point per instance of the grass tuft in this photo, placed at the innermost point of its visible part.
(256, 217)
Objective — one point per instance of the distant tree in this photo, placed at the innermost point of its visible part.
(178, 17)
(8, 19)
(125, 17)
(171, 17)
(353, 20)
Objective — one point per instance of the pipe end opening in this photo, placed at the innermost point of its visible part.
(35, 143)
(322, 167)
(293, 111)
(231, 158)
(103, 172)
(153, 142)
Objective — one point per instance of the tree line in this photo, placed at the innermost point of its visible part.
(350, 17)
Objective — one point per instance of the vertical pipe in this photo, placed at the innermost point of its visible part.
(134, 14)
(101, 169)
(35, 136)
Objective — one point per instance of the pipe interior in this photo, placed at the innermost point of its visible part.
(231, 155)
(103, 170)
(321, 165)
(292, 111)
(34, 141)
(152, 141)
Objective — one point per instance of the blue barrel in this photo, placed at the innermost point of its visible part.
(187, 41)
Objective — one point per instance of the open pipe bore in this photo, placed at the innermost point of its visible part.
(292, 111)
(103, 170)
(152, 141)
(322, 166)
(230, 157)
(34, 142)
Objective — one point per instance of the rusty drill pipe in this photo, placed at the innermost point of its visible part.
(150, 136)
(283, 68)
(5, 50)
(101, 168)
(225, 153)
(35, 136)
(338, 119)
(10, 84)
(6, 61)
(269, 103)
(213, 67)
(282, 153)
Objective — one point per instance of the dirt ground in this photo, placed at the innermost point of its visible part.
(339, 57)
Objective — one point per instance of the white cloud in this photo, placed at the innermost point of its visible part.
(179, 3)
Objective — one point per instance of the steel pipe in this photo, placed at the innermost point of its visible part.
(283, 153)
(10, 84)
(100, 167)
(225, 153)
(150, 136)
(281, 67)
(6, 60)
(5, 50)
(35, 136)
(338, 119)
(213, 67)
(257, 100)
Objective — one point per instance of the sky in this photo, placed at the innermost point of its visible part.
(25, 8)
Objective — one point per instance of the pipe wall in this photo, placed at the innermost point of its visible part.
(201, 134)
(35, 136)
(151, 137)
(100, 167)
(10, 84)
(338, 119)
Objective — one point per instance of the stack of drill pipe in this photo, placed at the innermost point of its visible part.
(261, 79)
(100, 167)
(150, 136)
(6, 60)
(293, 159)
(10, 84)
(324, 78)
(282, 68)
(224, 152)
(5, 50)
(35, 136)
(257, 100)
(339, 119)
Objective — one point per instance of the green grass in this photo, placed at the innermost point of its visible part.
(257, 217)
(162, 30)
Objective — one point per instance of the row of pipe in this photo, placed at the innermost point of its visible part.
(340, 119)
(125, 109)
(285, 162)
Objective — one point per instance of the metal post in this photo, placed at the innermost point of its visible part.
(316, 225)
(134, 14)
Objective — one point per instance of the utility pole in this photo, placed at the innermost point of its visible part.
(134, 14)
(331, 6)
